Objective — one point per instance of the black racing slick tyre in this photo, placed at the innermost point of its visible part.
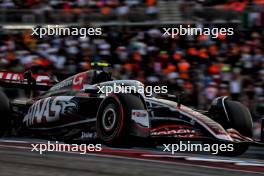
(114, 117)
(239, 119)
(4, 114)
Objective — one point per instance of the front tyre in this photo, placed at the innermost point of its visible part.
(114, 117)
(239, 119)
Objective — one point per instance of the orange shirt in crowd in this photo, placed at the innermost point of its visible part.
(177, 56)
(184, 69)
(188, 85)
(214, 69)
(151, 2)
(221, 37)
(203, 53)
(213, 50)
(105, 10)
(192, 51)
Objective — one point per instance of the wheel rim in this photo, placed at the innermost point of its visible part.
(109, 119)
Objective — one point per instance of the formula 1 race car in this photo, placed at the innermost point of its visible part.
(75, 109)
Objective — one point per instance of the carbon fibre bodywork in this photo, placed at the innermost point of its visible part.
(68, 110)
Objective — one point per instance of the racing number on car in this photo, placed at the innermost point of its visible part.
(48, 110)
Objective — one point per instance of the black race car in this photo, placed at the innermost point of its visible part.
(75, 109)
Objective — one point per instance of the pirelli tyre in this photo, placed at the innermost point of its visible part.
(5, 119)
(239, 119)
(114, 117)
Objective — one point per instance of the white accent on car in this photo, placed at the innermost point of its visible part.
(141, 117)
(213, 127)
(48, 109)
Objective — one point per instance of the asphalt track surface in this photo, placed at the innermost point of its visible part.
(16, 158)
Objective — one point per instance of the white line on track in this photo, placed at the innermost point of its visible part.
(15, 141)
(250, 164)
(212, 160)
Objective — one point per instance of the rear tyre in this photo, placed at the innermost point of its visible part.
(114, 117)
(5, 119)
(239, 119)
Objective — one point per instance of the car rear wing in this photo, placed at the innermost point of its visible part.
(26, 80)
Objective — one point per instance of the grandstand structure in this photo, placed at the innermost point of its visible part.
(80, 12)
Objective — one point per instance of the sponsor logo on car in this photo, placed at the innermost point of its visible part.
(175, 130)
(48, 110)
(141, 117)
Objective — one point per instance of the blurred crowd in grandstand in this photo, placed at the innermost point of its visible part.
(83, 11)
(121, 7)
(74, 10)
(202, 67)
(70, 4)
